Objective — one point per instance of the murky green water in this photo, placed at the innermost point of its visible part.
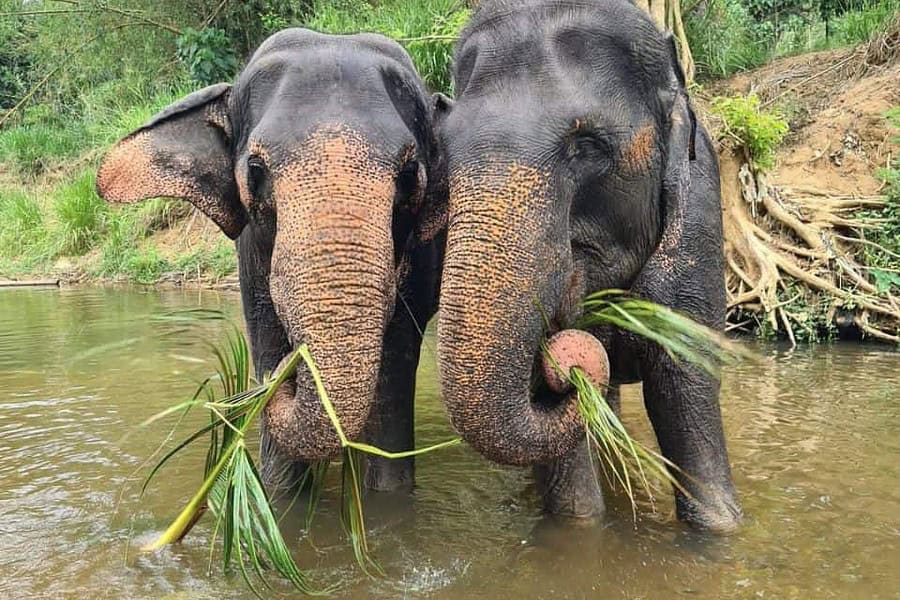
(814, 434)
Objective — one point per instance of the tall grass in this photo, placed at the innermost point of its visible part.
(80, 214)
(21, 223)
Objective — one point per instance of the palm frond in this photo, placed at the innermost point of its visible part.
(232, 488)
(680, 336)
(626, 462)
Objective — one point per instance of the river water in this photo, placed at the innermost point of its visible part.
(814, 437)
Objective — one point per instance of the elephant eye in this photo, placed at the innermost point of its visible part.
(592, 149)
(256, 177)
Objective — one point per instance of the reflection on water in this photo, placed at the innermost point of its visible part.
(814, 438)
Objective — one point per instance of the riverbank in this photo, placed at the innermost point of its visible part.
(812, 240)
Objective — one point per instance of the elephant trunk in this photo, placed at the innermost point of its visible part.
(506, 266)
(332, 283)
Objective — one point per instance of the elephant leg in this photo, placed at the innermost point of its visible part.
(268, 344)
(683, 406)
(391, 423)
(569, 486)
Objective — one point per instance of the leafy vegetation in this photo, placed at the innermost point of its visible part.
(727, 36)
(427, 28)
(232, 488)
(882, 250)
(76, 78)
(747, 126)
(207, 55)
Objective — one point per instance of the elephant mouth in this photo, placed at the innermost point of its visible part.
(298, 420)
(565, 350)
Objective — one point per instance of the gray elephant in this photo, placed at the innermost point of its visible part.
(585, 170)
(320, 161)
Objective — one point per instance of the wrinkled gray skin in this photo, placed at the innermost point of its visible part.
(586, 171)
(320, 161)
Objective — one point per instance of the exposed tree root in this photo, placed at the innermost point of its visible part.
(793, 259)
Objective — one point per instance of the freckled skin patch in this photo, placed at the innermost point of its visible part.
(637, 154)
(334, 208)
(130, 173)
(497, 255)
(162, 160)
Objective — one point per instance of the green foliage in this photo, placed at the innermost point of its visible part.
(145, 266)
(440, 20)
(21, 223)
(732, 35)
(33, 149)
(758, 131)
(433, 58)
(216, 261)
(882, 254)
(207, 54)
(15, 65)
(249, 22)
(79, 213)
(724, 39)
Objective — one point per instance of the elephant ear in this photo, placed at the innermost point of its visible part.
(680, 151)
(420, 116)
(433, 219)
(183, 152)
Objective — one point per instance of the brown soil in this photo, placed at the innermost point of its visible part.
(788, 232)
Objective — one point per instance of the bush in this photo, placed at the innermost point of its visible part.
(79, 215)
(883, 257)
(207, 54)
(746, 125)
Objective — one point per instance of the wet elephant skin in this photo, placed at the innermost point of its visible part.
(587, 171)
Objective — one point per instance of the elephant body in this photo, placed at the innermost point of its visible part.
(586, 171)
(320, 161)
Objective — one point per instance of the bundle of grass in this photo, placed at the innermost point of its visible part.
(232, 489)
(625, 461)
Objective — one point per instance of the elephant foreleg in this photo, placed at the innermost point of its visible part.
(391, 424)
(268, 344)
(682, 403)
(569, 486)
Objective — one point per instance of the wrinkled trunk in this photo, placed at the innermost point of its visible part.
(507, 261)
(332, 284)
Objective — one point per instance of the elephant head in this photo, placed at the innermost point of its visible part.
(324, 143)
(568, 185)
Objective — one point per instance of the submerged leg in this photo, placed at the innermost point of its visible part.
(391, 425)
(569, 486)
(683, 405)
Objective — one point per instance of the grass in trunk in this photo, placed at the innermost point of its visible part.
(625, 461)
(232, 489)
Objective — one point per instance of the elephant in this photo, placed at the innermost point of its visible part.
(587, 171)
(321, 162)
